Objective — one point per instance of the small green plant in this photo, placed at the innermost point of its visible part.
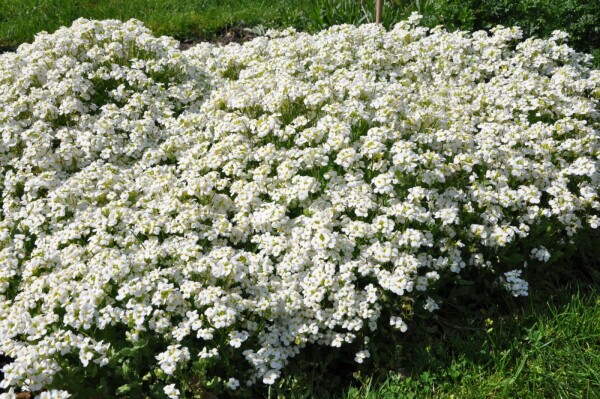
(326, 13)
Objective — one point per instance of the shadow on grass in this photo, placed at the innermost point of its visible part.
(479, 346)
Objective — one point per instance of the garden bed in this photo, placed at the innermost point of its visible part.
(178, 222)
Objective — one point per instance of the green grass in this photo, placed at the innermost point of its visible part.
(20, 20)
(540, 351)
(533, 348)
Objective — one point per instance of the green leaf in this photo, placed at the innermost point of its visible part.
(126, 369)
(123, 389)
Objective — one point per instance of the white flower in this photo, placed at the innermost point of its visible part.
(233, 384)
(208, 353)
(9, 395)
(398, 322)
(515, 284)
(236, 338)
(361, 356)
(171, 391)
(54, 394)
(430, 305)
(541, 254)
(270, 377)
(172, 357)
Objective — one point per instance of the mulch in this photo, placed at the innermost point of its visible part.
(236, 34)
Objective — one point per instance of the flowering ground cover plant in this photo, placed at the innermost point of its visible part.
(180, 221)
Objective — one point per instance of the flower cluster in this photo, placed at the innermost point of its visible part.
(253, 199)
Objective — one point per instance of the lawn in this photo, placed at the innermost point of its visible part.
(542, 350)
(192, 20)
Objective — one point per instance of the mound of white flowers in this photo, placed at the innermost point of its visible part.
(241, 202)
